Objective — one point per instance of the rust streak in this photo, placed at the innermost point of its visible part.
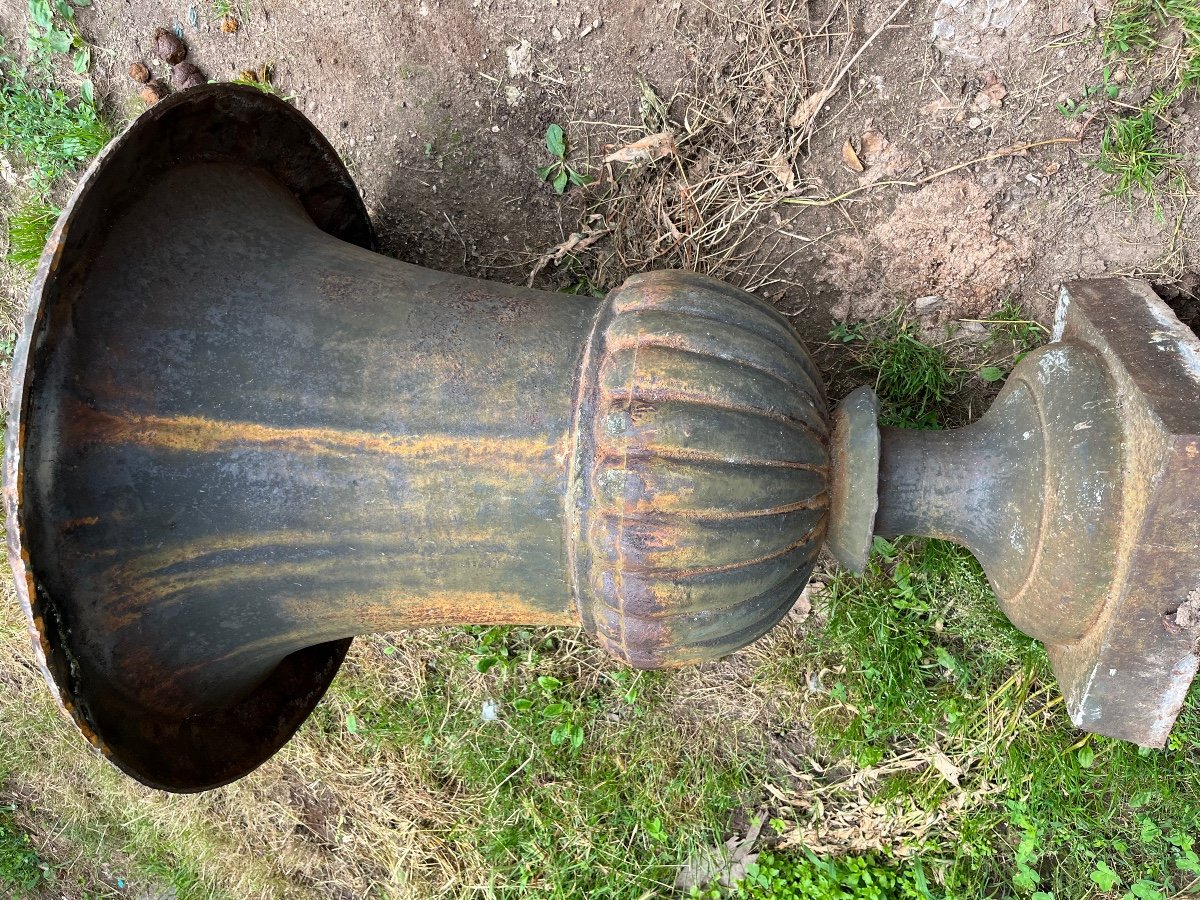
(71, 525)
(620, 569)
(655, 396)
(394, 610)
(789, 343)
(680, 344)
(683, 454)
(196, 434)
(652, 514)
(676, 573)
(138, 585)
(196, 551)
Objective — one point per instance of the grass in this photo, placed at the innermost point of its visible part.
(941, 724)
(923, 667)
(1137, 148)
(1137, 26)
(49, 135)
(1133, 152)
(582, 779)
(28, 229)
(47, 131)
(21, 869)
(571, 775)
(914, 380)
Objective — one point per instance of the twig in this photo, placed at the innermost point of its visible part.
(832, 86)
(995, 154)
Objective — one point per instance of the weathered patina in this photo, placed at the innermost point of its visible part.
(1078, 492)
(238, 438)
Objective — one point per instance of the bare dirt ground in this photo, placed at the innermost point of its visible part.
(934, 165)
(441, 107)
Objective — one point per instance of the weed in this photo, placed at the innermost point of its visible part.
(1011, 321)
(1107, 89)
(21, 869)
(28, 229)
(558, 173)
(47, 131)
(261, 78)
(1133, 148)
(805, 876)
(52, 29)
(913, 379)
(1012, 334)
(1134, 153)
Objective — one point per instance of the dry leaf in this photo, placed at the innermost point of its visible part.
(997, 91)
(578, 240)
(725, 865)
(782, 169)
(850, 158)
(945, 767)
(810, 107)
(940, 105)
(872, 146)
(647, 149)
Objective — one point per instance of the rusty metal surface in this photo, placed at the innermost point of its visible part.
(1030, 489)
(854, 462)
(701, 472)
(241, 438)
(221, 746)
(1128, 676)
(1079, 494)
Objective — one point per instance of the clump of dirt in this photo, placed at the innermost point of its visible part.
(169, 47)
(939, 241)
(152, 93)
(186, 75)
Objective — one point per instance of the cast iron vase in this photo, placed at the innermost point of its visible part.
(238, 438)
